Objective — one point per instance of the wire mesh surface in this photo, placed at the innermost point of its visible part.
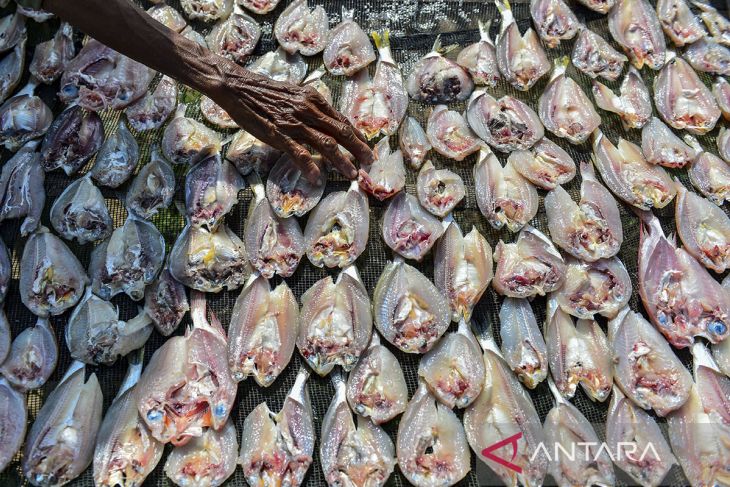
(414, 25)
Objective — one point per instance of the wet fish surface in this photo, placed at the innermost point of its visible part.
(211, 190)
(280, 65)
(480, 58)
(289, 192)
(165, 302)
(50, 58)
(408, 229)
(601, 287)
(678, 22)
(635, 27)
(23, 117)
(437, 79)
(117, 158)
(185, 139)
(32, 357)
(523, 346)
(661, 146)
(152, 188)
(249, 154)
(449, 134)
(439, 190)
(546, 164)
(207, 10)
(80, 213)
(153, 109)
(595, 57)
(235, 37)
(73, 138)
(634, 103)
(413, 142)
(554, 21)
(21, 188)
(348, 48)
(11, 70)
(299, 29)
(14, 416)
(386, 176)
(209, 459)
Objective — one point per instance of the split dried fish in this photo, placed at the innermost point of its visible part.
(594, 56)
(21, 188)
(12, 30)
(723, 144)
(554, 21)
(529, 266)
(274, 245)
(23, 117)
(51, 57)
(546, 164)
(431, 445)
(439, 191)
(408, 229)
(152, 188)
(299, 29)
(661, 146)
(626, 172)
(376, 106)
(80, 213)
(600, 6)
(565, 109)
(14, 414)
(629, 428)
(165, 302)
(634, 103)
(591, 229)
(678, 22)
(337, 230)
(207, 10)
(260, 7)
(386, 176)
(709, 56)
(185, 139)
(506, 124)
(60, 444)
(279, 65)
(410, 312)
(504, 197)
(211, 189)
(721, 92)
(277, 449)
(376, 387)
(32, 358)
(523, 347)
(578, 354)
(521, 58)
(314, 79)
(207, 460)
(234, 37)
(72, 140)
(262, 332)
(682, 299)
(351, 454)
(249, 154)
(215, 115)
(413, 142)
(52, 279)
(601, 287)
(704, 229)
(645, 366)
(635, 27)
(437, 79)
(289, 192)
(11, 69)
(125, 452)
(186, 386)
(99, 77)
(682, 99)
(565, 429)
(335, 322)
(449, 134)
(209, 261)
(6, 270)
(716, 23)
(167, 16)
(128, 261)
(480, 58)
(348, 47)
(152, 110)
(711, 176)
(117, 158)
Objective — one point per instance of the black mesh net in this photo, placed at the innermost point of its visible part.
(414, 25)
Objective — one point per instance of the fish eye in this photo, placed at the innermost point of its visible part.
(70, 90)
(717, 328)
(220, 410)
(154, 415)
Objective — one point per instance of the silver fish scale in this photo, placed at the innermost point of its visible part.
(413, 24)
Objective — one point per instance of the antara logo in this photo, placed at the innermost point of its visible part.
(512, 440)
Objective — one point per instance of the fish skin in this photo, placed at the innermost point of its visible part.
(22, 194)
(351, 454)
(50, 58)
(209, 262)
(376, 387)
(439, 191)
(449, 134)
(167, 16)
(117, 158)
(523, 347)
(14, 416)
(185, 139)
(644, 365)
(680, 296)
(710, 175)
(506, 124)
(436, 79)
(413, 142)
(635, 27)
(708, 56)
(595, 57)
(288, 192)
(577, 354)
(99, 77)
(73, 138)
(153, 109)
(80, 213)
(12, 30)
(299, 29)
(678, 22)
(5, 336)
(521, 58)
(554, 21)
(408, 229)
(23, 117)
(409, 311)
(337, 230)
(207, 10)
(280, 65)
(277, 449)
(634, 103)
(386, 176)
(235, 37)
(513, 277)
(49, 263)
(335, 322)
(166, 302)
(128, 261)
(721, 92)
(152, 188)
(629, 176)
(60, 444)
(260, 7)
(661, 146)
(348, 47)
(697, 113)
(504, 197)
(6, 270)
(716, 23)
(206, 460)
(11, 69)
(546, 164)
(249, 154)
(431, 446)
(480, 59)
(262, 332)
(211, 189)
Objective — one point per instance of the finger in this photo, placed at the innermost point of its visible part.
(346, 135)
(302, 158)
(328, 109)
(328, 147)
